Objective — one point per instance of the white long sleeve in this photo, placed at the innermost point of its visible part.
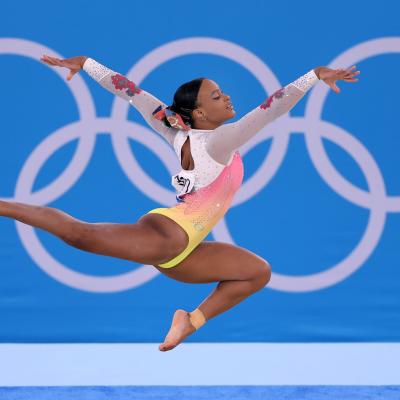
(121, 86)
(227, 138)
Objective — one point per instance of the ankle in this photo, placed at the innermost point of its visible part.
(197, 318)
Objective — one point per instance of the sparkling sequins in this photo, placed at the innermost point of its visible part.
(214, 183)
(206, 168)
(198, 227)
(206, 206)
(94, 69)
(306, 81)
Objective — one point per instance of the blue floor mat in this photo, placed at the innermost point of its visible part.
(200, 392)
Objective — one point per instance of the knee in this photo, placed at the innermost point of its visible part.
(263, 275)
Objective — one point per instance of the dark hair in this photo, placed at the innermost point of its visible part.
(185, 101)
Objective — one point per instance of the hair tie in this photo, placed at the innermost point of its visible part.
(174, 119)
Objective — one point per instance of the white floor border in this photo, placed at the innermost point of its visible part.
(200, 364)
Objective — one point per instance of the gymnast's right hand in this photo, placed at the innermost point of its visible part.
(74, 64)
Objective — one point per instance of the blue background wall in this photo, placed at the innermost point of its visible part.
(297, 221)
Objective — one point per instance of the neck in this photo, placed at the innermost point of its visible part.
(206, 125)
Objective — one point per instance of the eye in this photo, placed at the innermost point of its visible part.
(216, 98)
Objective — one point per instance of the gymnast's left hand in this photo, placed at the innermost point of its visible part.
(330, 76)
(74, 64)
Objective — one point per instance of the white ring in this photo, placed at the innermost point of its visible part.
(122, 130)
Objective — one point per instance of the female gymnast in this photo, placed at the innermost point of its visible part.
(171, 238)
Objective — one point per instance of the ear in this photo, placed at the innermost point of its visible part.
(197, 114)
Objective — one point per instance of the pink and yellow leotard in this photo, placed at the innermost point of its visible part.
(200, 211)
(205, 193)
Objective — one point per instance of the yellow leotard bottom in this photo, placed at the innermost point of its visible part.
(195, 236)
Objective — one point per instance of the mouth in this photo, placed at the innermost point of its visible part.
(230, 107)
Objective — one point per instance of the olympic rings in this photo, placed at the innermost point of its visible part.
(121, 130)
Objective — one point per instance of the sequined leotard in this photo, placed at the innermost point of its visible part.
(205, 193)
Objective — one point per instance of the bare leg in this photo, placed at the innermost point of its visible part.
(240, 274)
(154, 239)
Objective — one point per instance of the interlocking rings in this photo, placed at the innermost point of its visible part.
(121, 130)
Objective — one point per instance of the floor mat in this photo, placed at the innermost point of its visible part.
(200, 392)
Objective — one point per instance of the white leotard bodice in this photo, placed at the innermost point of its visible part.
(206, 168)
(211, 150)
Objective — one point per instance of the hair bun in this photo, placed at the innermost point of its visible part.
(170, 117)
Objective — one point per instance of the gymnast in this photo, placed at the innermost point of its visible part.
(172, 239)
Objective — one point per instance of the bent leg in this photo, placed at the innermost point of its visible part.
(239, 272)
(153, 239)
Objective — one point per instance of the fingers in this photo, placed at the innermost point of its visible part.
(71, 74)
(351, 68)
(52, 60)
(347, 74)
(350, 80)
(334, 87)
(350, 72)
(46, 59)
(49, 60)
(341, 74)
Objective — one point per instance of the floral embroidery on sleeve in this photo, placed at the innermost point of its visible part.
(121, 82)
(277, 95)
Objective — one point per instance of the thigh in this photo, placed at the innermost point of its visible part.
(152, 239)
(215, 261)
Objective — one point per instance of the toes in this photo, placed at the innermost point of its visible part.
(164, 347)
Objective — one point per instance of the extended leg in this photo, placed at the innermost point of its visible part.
(152, 240)
(240, 274)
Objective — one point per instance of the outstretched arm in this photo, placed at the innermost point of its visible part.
(229, 137)
(121, 86)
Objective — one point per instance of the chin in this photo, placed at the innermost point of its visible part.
(232, 114)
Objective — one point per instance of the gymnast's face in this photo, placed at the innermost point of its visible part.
(214, 106)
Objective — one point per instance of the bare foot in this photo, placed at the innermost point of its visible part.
(180, 329)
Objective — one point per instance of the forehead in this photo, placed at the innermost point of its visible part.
(207, 88)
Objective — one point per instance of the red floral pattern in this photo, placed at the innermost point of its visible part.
(121, 82)
(277, 95)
